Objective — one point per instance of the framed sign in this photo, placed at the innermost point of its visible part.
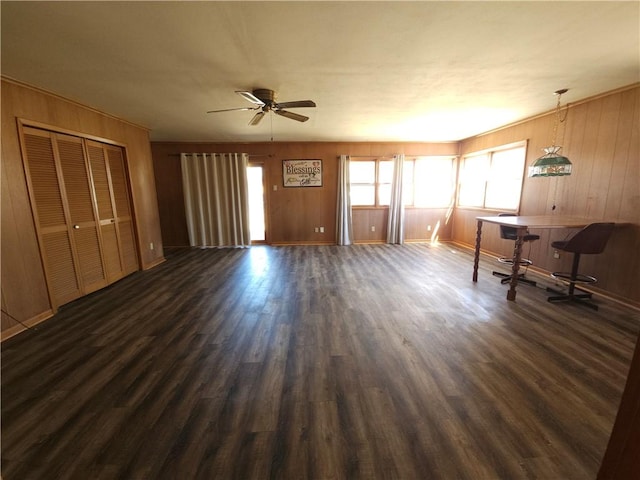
(302, 173)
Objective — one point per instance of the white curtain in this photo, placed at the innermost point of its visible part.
(395, 225)
(344, 228)
(216, 199)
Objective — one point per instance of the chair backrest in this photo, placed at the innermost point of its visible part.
(508, 233)
(591, 239)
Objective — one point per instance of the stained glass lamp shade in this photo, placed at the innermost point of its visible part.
(551, 164)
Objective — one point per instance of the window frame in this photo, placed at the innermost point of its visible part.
(377, 161)
(454, 159)
(486, 183)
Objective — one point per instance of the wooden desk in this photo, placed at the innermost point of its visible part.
(522, 225)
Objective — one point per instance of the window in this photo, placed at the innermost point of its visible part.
(370, 182)
(473, 179)
(493, 179)
(429, 182)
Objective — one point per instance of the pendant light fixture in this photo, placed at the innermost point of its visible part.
(552, 164)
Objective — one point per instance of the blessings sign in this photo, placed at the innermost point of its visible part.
(302, 173)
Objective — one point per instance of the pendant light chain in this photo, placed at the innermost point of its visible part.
(554, 136)
(558, 120)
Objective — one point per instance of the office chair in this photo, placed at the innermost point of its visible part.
(590, 240)
(510, 233)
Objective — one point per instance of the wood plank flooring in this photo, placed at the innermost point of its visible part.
(315, 362)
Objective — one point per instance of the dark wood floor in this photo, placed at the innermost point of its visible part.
(315, 362)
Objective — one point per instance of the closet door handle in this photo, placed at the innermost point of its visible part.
(76, 227)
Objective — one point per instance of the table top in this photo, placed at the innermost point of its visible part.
(539, 221)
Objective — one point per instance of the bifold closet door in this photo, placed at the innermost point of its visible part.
(122, 201)
(114, 211)
(66, 217)
(48, 207)
(106, 211)
(76, 189)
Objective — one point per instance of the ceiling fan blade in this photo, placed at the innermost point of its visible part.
(256, 118)
(296, 104)
(231, 109)
(251, 97)
(291, 115)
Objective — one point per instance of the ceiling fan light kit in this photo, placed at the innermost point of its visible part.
(264, 99)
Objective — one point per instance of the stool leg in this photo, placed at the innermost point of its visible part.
(517, 255)
(572, 296)
(574, 273)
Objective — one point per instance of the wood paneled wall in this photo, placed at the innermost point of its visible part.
(601, 138)
(293, 213)
(24, 292)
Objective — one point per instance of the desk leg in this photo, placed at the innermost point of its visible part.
(517, 256)
(476, 258)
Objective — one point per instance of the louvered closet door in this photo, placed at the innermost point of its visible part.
(77, 191)
(106, 211)
(124, 218)
(48, 206)
(80, 198)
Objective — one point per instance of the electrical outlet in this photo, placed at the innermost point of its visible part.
(321, 229)
(428, 228)
(373, 228)
(151, 246)
(316, 229)
(556, 254)
(275, 188)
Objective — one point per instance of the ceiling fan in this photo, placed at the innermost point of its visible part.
(264, 100)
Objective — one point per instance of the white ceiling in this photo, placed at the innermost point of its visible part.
(378, 71)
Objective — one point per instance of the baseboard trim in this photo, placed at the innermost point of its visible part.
(155, 263)
(292, 244)
(19, 328)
